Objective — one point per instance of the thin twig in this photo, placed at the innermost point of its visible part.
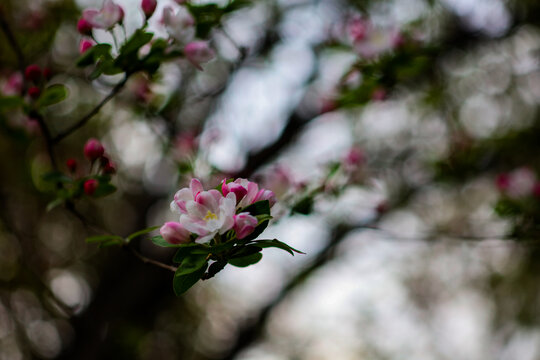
(146, 260)
(92, 112)
(12, 40)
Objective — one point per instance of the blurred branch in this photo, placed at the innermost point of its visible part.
(12, 40)
(118, 87)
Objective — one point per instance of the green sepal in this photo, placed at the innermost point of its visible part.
(181, 283)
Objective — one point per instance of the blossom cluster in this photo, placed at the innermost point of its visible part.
(179, 24)
(204, 214)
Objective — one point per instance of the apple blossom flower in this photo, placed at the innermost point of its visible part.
(105, 18)
(353, 159)
(184, 195)
(198, 52)
(13, 85)
(371, 41)
(210, 213)
(84, 27)
(93, 149)
(148, 7)
(244, 224)
(179, 25)
(247, 192)
(175, 233)
(84, 45)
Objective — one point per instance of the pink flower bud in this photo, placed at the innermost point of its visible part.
(198, 52)
(84, 27)
(148, 7)
(93, 149)
(84, 45)
(264, 194)
(71, 165)
(90, 186)
(244, 224)
(34, 92)
(175, 233)
(536, 190)
(354, 158)
(32, 72)
(109, 168)
(239, 190)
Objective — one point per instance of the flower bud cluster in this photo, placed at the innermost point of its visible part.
(35, 78)
(94, 151)
(205, 214)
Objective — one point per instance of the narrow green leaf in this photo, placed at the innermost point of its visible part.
(141, 232)
(245, 250)
(246, 260)
(110, 243)
(56, 177)
(52, 95)
(53, 204)
(103, 238)
(192, 262)
(181, 283)
(277, 244)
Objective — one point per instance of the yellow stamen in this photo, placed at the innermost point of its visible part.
(210, 216)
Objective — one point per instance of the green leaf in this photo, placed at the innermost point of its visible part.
(181, 283)
(304, 206)
(258, 208)
(104, 189)
(52, 95)
(104, 238)
(185, 250)
(56, 177)
(10, 102)
(96, 52)
(242, 251)
(246, 260)
(110, 243)
(128, 58)
(207, 17)
(277, 244)
(191, 263)
(141, 232)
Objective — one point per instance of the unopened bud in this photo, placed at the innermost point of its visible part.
(90, 186)
(148, 7)
(71, 165)
(93, 149)
(84, 27)
(34, 92)
(32, 72)
(175, 233)
(84, 45)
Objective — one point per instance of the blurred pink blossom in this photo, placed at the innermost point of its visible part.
(179, 24)
(198, 52)
(105, 18)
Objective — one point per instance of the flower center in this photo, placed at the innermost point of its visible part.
(210, 216)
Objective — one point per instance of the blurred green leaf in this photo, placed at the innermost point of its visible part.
(10, 102)
(104, 189)
(304, 206)
(52, 95)
(92, 55)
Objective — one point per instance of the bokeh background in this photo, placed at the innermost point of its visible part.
(406, 257)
